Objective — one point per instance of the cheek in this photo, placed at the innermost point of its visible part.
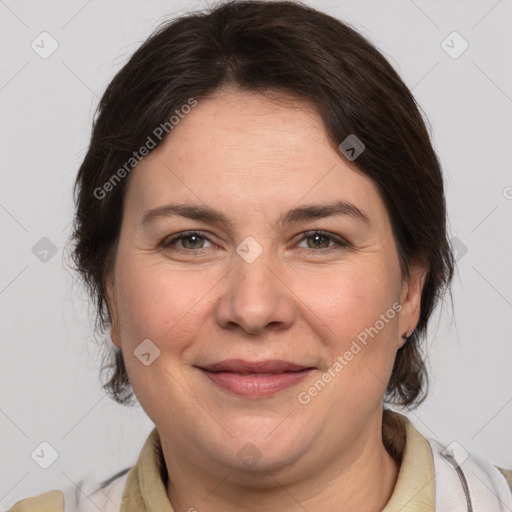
(167, 307)
(159, 302)
(360, 308)
(351, 298)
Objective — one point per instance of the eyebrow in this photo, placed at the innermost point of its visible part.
(295, 215)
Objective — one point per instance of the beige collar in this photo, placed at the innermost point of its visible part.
(414, 491)
(144, 485)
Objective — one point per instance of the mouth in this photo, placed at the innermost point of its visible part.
(255, 379)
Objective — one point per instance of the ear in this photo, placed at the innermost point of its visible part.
(112, 311)
(410, 299)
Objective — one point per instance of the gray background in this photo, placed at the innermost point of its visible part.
(49, 384)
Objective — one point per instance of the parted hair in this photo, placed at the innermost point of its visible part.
(262, 46)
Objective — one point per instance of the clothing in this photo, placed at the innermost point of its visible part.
(142, 488)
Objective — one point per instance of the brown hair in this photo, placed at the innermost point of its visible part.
(263, 46)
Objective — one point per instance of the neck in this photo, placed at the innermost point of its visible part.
(359, 478)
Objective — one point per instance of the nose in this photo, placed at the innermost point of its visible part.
(255, 298)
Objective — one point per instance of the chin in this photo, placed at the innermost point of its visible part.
(263, 446)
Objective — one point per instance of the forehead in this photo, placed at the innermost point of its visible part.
(251, 152)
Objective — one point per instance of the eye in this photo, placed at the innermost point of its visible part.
(321, 240)
(189, 240)
(193, 241)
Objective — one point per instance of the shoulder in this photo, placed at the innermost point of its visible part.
(463, 473)
(87, 497)
(51, 501)
(507, 473)
(460, 477)
(106, 498)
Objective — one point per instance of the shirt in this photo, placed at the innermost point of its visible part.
(143, 488)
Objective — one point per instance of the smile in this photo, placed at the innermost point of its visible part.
(256, 384)
(257, 379)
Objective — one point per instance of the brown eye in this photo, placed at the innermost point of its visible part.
(321, 240)
(318, 241)
(189, 241)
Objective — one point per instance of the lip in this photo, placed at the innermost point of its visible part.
(255, 378)
(242, 366)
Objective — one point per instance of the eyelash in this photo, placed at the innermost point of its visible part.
(339, 241)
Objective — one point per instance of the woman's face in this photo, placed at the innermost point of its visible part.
(254, 285)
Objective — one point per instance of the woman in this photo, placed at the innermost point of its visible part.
(261, 222)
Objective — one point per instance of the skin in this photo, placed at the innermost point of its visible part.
(253, 157)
